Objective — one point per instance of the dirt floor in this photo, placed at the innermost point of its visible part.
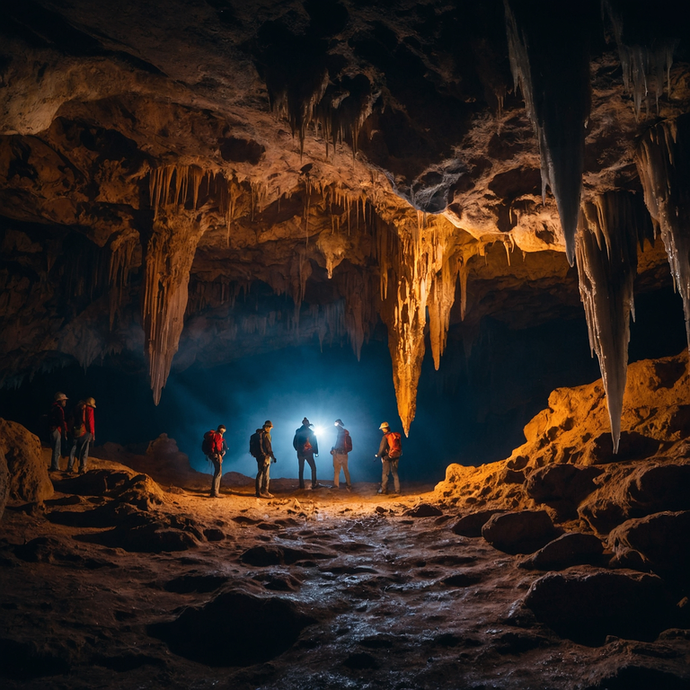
(150, 588)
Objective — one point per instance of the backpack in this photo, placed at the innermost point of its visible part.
(394, 445)
(306, 448)
(347, 441)
(255, 445)
(207, 445)
(78, 423)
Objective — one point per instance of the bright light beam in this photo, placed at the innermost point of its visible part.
(319, 430)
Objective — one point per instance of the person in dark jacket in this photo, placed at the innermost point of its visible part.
(218, 450)
(83, 433)
(389, 452)
(343, 445)
(58, 430)
(263, 461)
(307, 447)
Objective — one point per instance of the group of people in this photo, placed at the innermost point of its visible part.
(307, 446)
(71, 432)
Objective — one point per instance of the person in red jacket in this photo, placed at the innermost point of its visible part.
(390, 451)
(58, 430)
(218, 450)
(83, 433)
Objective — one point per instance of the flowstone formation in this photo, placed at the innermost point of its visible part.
(198, 184)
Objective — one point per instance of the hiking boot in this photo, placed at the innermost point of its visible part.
(349, 488)
(266, 495)
(381, 491)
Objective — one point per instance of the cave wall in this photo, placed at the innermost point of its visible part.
(336, 166)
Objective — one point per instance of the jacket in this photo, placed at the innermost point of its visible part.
(340, 441)
(266, 445)
(57, 418)
(89, 420)
(302, 435)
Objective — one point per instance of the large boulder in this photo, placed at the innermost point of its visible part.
(586, 606)
(471, 525)
(571, 548)
(234, 629)
(520, 532)
(27, 471)
(635, 491)
(663, 540)
(562, 487)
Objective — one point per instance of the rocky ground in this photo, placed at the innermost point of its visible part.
(546, 570)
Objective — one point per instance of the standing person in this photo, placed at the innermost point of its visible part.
(261, 447)
(83, 433)
(343, 445)
(215, 448)
(58, 430)
(390, 451)
(307, 447)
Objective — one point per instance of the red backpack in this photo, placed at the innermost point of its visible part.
(347, 441)
(208, 445)
(394, 444)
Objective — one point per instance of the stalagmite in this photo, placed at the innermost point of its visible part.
(168, 255)
(663, 163)
(606, 250)
(547, 42)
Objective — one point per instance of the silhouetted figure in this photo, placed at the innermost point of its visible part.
(83, 433)
(343, 445)
(390, 451)
(58, 430)
(307, 447)
(215, 448)
(261, 447)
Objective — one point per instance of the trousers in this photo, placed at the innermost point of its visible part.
(340, 461)
(309, 457)
(56, 445)
(390, 465)
(80, 452)
(217, 461)
(263, 476)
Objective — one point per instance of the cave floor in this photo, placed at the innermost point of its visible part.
(385, 600)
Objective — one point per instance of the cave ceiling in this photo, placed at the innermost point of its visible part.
(199, 180)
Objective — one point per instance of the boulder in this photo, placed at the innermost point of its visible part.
(520, 532)
(562, 487)
(632, 446)
(571, 548)
(471, 525)
(283, 555)
(28, 472)
(4, 484)
(234, 629)
(659, 488)
(663, 540)
(586, 606)
(424, 510)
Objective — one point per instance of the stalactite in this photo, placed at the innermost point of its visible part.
(421, 254)
(551, 67)
(663, 163)
(168, 256)
(441, 300)
(122, 250)
(606, 249)
(646, 68)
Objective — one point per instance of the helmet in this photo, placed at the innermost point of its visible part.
(268, 424)
(305, 422)
(385, 425)
(339, 422)
(90, 402)
(60, 396)
(221, 427)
